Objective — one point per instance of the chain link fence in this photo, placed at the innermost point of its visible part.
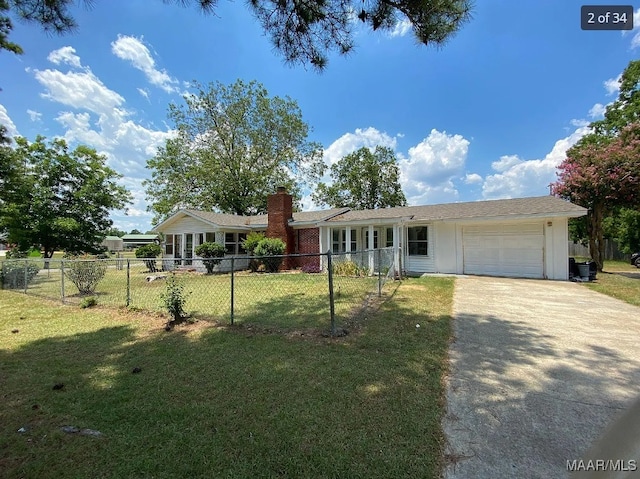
(314, 291)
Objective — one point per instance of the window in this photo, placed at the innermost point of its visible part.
(233, 243)
(210, 237)
(418, 241)
(354, 243)
(338, 240)
(168, 245)
(389, 242)
(366, 239)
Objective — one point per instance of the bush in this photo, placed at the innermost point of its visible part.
(349, 268)
(270, 247)
(12, 274)
(250, 244)
(174, 299)
(88, 302)
(150, 250)
(85, 272)
(213, 252)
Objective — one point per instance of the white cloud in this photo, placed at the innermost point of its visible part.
(81, 90)
(65, 55)
(350, 142)
(528, 177)
(8, 123)
(578, 123)
(472, 178)
(612, 85)
(133, 50)
(143, 92)
(401, 28)
(635, 40)
(597, 111)
(98, 118)
(428, 171)
(34, 115)
(505, 162)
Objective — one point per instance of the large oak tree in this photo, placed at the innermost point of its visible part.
(303, 31)
(234, 145)
(55, 198)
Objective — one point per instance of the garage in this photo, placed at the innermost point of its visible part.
(504, 249)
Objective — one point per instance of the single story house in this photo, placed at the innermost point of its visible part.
(134, 241)
(521, 237)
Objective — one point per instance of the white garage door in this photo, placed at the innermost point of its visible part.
(504, 250)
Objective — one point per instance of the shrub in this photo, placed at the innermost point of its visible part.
(85, 272)
(150, 250)
(270, 247)
(12, 274)
(174, 298)
(349, 268)
(213, 252)
(15, 253)
(250, 244)
(88, 302)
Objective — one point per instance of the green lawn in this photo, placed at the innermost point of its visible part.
(282, 300)
(221, 401)
(620, 280)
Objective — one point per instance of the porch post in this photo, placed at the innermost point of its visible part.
(347, 239)
(396, 249)
(370, 247)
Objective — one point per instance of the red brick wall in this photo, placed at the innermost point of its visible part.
(309, 242)
(280, 211)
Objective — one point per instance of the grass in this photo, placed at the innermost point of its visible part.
(620, 280)
(282, 300)
(223, 402)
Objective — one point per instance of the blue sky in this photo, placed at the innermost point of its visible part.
(489, 115)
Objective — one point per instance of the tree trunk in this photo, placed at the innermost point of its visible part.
(596, 237)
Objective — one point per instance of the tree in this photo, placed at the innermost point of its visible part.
(5, 28)
(363, 180)
(602, 177)
(115, 232)
(147, 251)
(593, 158)
(304, 32)
(59, 199)
(234, 146)
(135, 232)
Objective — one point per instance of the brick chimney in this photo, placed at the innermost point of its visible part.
(280, 211)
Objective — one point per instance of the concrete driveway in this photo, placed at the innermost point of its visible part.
(538, 369)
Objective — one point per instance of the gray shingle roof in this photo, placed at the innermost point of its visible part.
(224, 219)
(540, 205)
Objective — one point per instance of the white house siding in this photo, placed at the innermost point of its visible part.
(556, 250)
(421, 264)
(446, 258)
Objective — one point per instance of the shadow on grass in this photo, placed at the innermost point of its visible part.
(214, 403)
(538, 395)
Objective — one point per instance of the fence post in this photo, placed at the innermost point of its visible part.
(379, 275)
(332, 309)
(232, 288)
(26, 266)
(62, 281)
(128, 281)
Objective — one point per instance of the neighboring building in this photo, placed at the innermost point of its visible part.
(113, 243)
(135, 241)
(522, 237)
